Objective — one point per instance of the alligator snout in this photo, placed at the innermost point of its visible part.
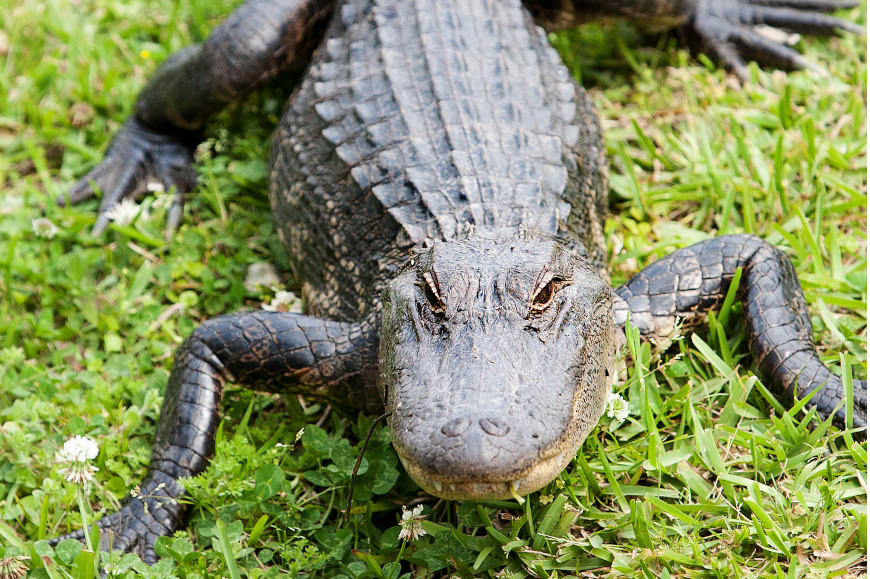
(477, 452)
(476, 445)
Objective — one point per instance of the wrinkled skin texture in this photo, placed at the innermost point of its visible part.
(439, 181)
(496, 356)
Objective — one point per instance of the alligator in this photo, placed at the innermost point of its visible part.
(439, 180)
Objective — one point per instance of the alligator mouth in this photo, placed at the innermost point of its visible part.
(528, 481)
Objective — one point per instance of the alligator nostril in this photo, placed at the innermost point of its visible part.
(456, 427)
(494, 426)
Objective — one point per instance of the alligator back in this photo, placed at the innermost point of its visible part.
(418, 119)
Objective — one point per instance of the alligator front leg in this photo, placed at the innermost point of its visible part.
(272, 351)
(684, 286)
(258, 41)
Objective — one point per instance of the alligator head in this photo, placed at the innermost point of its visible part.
(496, 356)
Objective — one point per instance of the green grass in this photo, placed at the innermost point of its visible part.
(708, 477)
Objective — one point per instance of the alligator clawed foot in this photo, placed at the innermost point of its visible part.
(152, 511)
(138, 160)
(727, 29)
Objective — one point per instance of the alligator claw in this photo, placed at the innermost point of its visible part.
(154, 512)
(137, 157)
(726, 29)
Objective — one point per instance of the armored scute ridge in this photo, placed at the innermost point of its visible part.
(439, 181)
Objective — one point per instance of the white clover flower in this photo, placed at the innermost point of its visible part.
(13, 567)
(123, 213)
(261, 275)
(162, 197)
(154, 187)
(44, 227)
(12, 355)
(112, 569)
(161, 200)
(75, 455)
(78, 449)
(412, 529)
(282, 302)
(616, 407)
(203, 151)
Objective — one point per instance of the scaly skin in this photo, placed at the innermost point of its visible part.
(681, 288)
(256, 43)
(440, 182)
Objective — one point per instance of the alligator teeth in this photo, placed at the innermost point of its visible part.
(437, 486)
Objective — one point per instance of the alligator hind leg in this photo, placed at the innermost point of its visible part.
(272, 351)
(724, 27)
(683, 286)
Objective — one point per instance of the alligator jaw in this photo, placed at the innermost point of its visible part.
(534, 478)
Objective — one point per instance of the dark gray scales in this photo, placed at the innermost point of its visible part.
(439, 181)
(476, 125)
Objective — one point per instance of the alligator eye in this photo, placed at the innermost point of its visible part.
(545, 294)
(543, 298)
(433, 296)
